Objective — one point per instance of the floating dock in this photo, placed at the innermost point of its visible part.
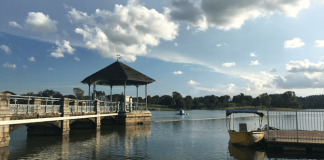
(299, 130)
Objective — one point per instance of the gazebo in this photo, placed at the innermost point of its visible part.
(118, 74)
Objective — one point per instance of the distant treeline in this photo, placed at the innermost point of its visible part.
(285, 100)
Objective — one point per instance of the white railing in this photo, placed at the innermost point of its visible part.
(77, 108)
(139, 106)
(45, 107)
(21, 108)
(33, 108)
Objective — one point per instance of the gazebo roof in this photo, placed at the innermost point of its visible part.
(116, 74)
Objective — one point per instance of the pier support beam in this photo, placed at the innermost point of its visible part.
(97, 110)
(65, 113)
(4, 116)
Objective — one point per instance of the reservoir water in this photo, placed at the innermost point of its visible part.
(187, 137)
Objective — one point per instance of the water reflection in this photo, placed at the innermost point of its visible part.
(245, 153)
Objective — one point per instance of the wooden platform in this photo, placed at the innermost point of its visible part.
(287, 140)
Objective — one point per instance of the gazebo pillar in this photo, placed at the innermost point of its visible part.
(146, 96)
(89, 91)
(111, 96)
(94, 91)
(125, 96)
(137, 95)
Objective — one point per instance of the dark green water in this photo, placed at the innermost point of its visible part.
(194, 139)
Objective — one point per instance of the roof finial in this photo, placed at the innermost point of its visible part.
(118, 57)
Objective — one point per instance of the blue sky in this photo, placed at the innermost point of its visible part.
(197, 48)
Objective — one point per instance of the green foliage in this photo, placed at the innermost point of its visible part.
(79, 93)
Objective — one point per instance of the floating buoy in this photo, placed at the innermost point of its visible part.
(165, 113)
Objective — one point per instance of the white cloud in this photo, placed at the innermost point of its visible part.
(260, 81)
(65, 48)
(176, 44)
(32, 59)
(273, 70)
(294, 43)
(230, 86)
(57, 54)
(304, 66)
(177, 72)
(191, 82)
(65, 6)
(254, 63)
(25, 66)
(231, 14)
(178, 58)
(319, 43)
(300, 80)
(40, 22)
(8, 65)
(248, 89)
(5, 48)
(14, 24)
(78, 59)
(50, 69)
(218, 45)
(127, 31)
(252, 54)
(228, 64)
(80, 17)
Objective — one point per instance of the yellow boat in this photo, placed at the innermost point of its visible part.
(243, 137)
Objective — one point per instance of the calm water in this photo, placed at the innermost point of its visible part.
(194, 139)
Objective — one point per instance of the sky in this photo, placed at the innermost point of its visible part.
(194, 47)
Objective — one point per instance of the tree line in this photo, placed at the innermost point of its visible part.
(286, 100)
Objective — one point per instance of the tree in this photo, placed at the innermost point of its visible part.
(223, 101)
(46, 93)
(196, 103)
(179, 102)
(12, 93)
(71, 96)
(211, 101)
(289, 99)
(256, 101)
(156, 99)
(166, 100)
(188, 101)
(79, 93)
(248, 99)
(100, 94)
(265, 99)
(149, 99)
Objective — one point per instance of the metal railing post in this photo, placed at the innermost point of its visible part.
(268, 123)
(28, 105)
(297, 125)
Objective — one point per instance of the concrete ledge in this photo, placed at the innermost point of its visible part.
(88, 113)
(134, 117)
